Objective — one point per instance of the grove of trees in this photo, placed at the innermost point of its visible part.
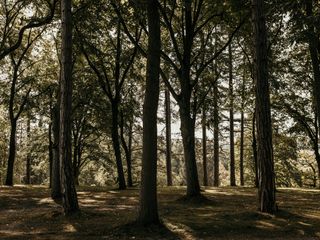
(160, 93)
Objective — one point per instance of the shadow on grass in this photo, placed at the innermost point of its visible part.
(134, 230)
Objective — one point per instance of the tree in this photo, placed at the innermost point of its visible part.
(168, 136)
(11, 11)
(17, 59)
(69, 194)
(231, 122)
(148, 208)
(266, 193)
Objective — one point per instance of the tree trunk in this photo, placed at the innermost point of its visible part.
(55, 171)
(50, 149)
(116, 144)
(12, 153)
(148, 209)
(69, 194)
(127, 148)
(254, 150)
(216, 181)
(314, 42)
(232, 160)
(242, 129)
(28, 162)
(267, 193)
(168, 137)
(188, 139)
(204, 147)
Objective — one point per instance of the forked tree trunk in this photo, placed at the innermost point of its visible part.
(168, 137)
(148, 208)
(267, 190)
(69, 194)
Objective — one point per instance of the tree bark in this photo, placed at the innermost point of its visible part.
(12, 153)
(127, 148)
(116, 144)
(216, 180)
(55, 171)
(69, 194)
(168, 137)
(314, 42)
(28, 162)
(242, 130)
(267, 193)
(148, 208)
(204, 147)
(254, 150)
(232, 159)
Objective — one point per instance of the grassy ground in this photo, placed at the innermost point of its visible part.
(230, 213)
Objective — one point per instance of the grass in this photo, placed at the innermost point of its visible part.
(27, 212)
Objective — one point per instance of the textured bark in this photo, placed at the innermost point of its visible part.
(314, 42)
(168, 137)
(267, 194)
(242, 130)
(187, 122)
(216, 180)
(241, 149)
(148, 207)
(254, 150)
(232, 159)
(69, 194)
(188, 139)
(55, 171)
(116, 143)
(50, 150)
(28, 160)
(204, 148)
(12, 153)
(127, 148)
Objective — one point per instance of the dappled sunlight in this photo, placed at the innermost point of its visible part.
(266, 225)
(226, 213)
(181, 230)
(69, 228)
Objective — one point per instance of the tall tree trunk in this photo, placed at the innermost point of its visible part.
(314, 42)
(55, 171)
(28, 162)
(188, 139)
(232, 159)
(168, 137)
(69, 194)
(50, 150)
(216, 181)
(254, 150)
(12, 153)
(204, 147)
(148, 209)
(267, 189)
(242, 129)
(116, 144)
(127, 148)
(75, 160)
